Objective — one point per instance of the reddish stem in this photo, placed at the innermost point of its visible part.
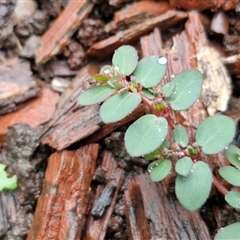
(219, 186)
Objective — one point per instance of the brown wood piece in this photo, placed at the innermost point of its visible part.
(96, 229)
(63, 203)
(107, 46)
(62, 29)
(166, 218)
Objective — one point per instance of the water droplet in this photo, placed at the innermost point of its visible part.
(162, 60)
(238, 158)
(192, 170)
(165, 77)
(174, 92)
(184, 179)
(226, 148)
(82, 91)
(189, 91)
(172, 75)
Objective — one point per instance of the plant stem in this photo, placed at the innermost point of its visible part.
(219, 186)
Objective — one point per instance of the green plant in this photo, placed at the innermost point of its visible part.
(5, 182)
(126, 84)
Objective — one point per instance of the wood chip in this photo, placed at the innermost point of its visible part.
(63, 204)
(16, 84)
(96, 229)
(34, 112)
(62, 29)
(107, 46)
(151, 211)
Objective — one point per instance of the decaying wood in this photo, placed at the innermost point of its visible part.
(35, 112)
(152, 213)
(62, 29)
(16, 83)
(96, 229)
(107, 46)
(136, 13)
(64, 201)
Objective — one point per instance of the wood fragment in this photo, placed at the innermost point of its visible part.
(16, 83)
(63, 204)
(136, 13)
(96, 229)
(35, 112)
(107, 46)
(163, 216)
(62, 29)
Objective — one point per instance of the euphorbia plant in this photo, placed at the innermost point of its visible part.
(125, 84)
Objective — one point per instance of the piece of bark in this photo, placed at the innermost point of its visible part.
(34, 112)
(162, 216)
(107, 46)
(63, 204)
(136, 13)
(62, 29)
(16, 84)
(196, 4)
(96, 229)
(137, 223)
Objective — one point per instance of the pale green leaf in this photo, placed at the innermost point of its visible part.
(145, 135)
(159, 170)
(126, 59)
(231, 175)
(187, 91)
(193, 190)
(169, 88)
(149, 72)
(95, 95)
(8, 183)
(180, 135)
(148, 94)
(233, 198)
(231, 232)
(215, 133)
(119, 106)
(184, 166)
(233, 155)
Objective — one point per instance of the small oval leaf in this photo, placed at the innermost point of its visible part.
(233, 155)
(187, 91)
(231, 232)
(192, 191)
(180, 135)
(169, 88)
(215, 133)
(126, 59)
(148, 94)
(184, 166)
(95, 95)
(145, 135)
(233, 198)
(231, 175)
(160, 170)
(119, 106)
(149, 72)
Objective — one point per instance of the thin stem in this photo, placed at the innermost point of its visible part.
(219, 186)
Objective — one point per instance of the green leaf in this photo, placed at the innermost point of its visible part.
(231, 232)
(9, 183)
(126, 59)
(215, 133)
(149, 72)
(159, 170)
(231, 175)
(192, 191)
(145, 135)
(233, 198)
(95, 95)
(148, 94)
(180, 135)
(169, 88)
(184, 166)
(119, 106)
(101, 78)
(187, 91)
(233, 155)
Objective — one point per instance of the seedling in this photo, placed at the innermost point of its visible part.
(127, 83)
